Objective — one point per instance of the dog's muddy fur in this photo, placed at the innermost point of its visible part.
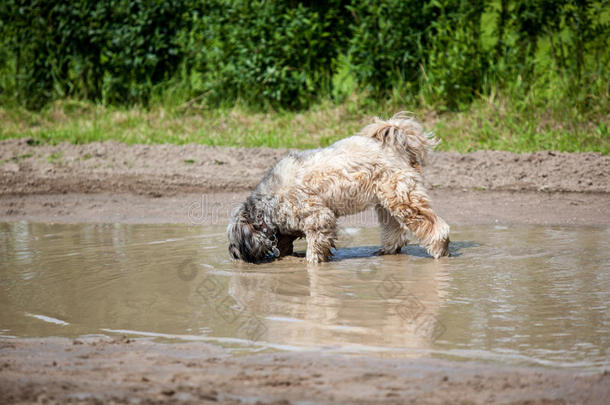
(306, 192)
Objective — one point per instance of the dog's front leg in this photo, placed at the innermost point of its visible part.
(319, 245)
(321, 232)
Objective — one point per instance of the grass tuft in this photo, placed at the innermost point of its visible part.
(517, 124)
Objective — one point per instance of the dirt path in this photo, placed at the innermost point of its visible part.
(168, 169)
(113, 182)
(120, 371)
(458, 207)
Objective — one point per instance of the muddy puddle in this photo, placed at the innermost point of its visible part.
(525, 295)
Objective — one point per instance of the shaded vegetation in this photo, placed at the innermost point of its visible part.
(509, 74)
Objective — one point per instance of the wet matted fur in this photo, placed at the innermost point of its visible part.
(305, 193)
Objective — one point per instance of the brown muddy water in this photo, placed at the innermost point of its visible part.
(513, 294)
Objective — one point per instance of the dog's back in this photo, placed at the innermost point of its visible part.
(405, 135)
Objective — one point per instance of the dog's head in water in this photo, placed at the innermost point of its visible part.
(251, 238)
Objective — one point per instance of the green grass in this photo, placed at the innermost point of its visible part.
(54, 158)
(62, 122)
(491, 122)
(18, 158)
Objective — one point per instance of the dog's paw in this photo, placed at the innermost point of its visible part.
(439, 249)
(386, 251)
(317, 258)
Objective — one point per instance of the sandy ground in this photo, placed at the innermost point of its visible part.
(160, 170)
(458, 207)
(111, 182)
(55, 370)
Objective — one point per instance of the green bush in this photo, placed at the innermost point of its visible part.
(267, 52)
(288, 54)
(388, 39)
(455, 61)
(110, 50)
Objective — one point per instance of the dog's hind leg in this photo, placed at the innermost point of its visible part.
(393, 235)
(320, 228)
(406, 200)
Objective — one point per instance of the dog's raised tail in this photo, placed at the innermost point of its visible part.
(403, 133)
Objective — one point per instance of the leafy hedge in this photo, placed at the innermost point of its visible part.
(286, 53)
(272, 52)
(111, 50)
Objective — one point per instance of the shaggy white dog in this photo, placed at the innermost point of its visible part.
(305, 193)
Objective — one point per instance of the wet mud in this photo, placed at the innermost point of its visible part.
(101, 370)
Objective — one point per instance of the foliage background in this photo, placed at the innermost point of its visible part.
(541, 63)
